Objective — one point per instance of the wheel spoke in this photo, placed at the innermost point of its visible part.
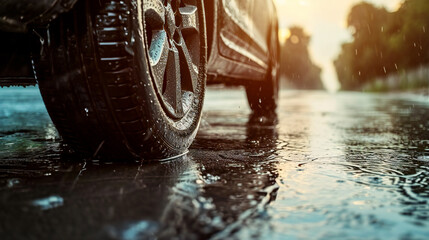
(154, 12)
(173, 88)
(188, 69)
(170, 19)
(189, 18)
(158, 55)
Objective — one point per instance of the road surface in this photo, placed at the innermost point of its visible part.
(328, 166)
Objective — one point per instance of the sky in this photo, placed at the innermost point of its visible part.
(325, 21)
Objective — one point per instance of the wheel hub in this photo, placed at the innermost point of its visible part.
(172, 33)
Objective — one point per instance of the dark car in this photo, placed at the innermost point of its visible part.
(126, 78)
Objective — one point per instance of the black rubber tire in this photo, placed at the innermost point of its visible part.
(102, 97)
(263, 95)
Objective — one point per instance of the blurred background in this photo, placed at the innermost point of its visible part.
(374, 45)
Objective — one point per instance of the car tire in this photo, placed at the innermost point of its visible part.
(125, 81)
(263, 95)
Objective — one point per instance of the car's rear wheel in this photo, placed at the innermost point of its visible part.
(263, 95)
(126, 79)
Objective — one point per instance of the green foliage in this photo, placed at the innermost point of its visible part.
(296, 64)
(383, 42)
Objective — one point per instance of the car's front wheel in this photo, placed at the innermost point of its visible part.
(125, 79)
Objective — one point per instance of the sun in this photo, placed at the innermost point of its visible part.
(284, 34)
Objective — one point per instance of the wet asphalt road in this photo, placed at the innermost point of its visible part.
(328, 166)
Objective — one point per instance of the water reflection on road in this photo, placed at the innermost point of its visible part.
(348, 165)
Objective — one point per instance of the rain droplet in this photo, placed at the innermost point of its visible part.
(12, 182)
(49, 202)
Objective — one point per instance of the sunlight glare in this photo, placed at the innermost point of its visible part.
(303, 3)
(284, 34)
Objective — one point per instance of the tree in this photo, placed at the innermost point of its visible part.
(343, 66)
(383, 42)
(413, 36)
(367, 54)
(296, 64)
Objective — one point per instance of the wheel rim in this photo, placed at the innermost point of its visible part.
(172, 33)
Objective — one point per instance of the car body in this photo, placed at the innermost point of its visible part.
(240, 49)
(238, 44)
(237, 33)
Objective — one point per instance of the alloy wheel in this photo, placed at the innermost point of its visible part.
(172, 33)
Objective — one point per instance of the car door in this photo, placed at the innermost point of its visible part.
(251, 16)
(243, 27)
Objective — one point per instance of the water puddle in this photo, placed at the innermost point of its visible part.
(344, 166)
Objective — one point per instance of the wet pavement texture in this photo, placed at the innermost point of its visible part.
(328, 166)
